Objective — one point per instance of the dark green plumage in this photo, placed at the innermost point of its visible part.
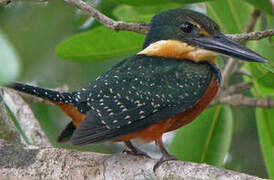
(166, 25)
(139, 92)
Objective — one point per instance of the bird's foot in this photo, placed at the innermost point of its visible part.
(136, 153)
(164, 158)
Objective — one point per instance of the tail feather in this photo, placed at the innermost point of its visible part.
(60, 97)
(66, 133)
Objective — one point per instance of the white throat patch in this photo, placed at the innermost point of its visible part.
(179, 50)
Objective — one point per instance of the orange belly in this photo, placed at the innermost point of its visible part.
(72, 112)
(155, 131)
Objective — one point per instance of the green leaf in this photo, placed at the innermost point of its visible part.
(9, 63)
(265, 123)
(102, 43)
(143, 13)
(154, 2)
(206, 139)
(269, 67)
(89, 46)
(17, 125)
(263, 73)
(265, 126)
(263, 5)
(229, 14)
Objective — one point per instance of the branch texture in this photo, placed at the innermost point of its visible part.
(21, 161)
(25, 162)
(4, 2)
(18, 161)
(108, 22)
(143, 28)
(233, 64)
(8, 130)
(237, 88)
(23, 114)
(252, 35)
(241, 100)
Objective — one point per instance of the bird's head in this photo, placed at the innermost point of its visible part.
(187, 34)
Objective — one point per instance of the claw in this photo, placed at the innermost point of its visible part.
(163, 159)
(134, 151)
(139, 153)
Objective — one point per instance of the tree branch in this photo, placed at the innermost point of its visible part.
(241, 100)
(26, 162)
(233, 64)
(25, 118)
(253, 19)
(228, 71)
(108, 22)
(8, 130)
(252, 35)
(18, 161)
(143, 28)
(4, 2)
(272, 5)
(237, 88)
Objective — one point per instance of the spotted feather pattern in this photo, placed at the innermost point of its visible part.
(136, 93)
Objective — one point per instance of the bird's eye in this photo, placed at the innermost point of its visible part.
(186, 27)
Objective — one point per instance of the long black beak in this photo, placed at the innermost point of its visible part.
(222, 44)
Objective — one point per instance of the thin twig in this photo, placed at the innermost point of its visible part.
(252, 22)
(237, 88)
(143, 28)
(241, 100)
(252, 35)
(272, 5)
(228, 71)
(232, 63)
(4, 2)
(108, 22)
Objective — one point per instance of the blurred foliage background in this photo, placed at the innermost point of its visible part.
(52, 44)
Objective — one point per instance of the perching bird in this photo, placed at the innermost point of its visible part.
(161, 88)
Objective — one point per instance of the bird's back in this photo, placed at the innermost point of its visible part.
(127, 97)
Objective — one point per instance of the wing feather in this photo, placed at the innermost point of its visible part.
(140, 92)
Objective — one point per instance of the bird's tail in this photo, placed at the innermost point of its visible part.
(51, 95)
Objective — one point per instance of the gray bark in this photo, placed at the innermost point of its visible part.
(20, 160)
(30, 162)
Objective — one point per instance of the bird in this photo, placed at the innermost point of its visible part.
(163, 87)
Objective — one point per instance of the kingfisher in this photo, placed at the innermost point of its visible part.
(159, 89)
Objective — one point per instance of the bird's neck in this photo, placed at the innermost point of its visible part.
(179, 50)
